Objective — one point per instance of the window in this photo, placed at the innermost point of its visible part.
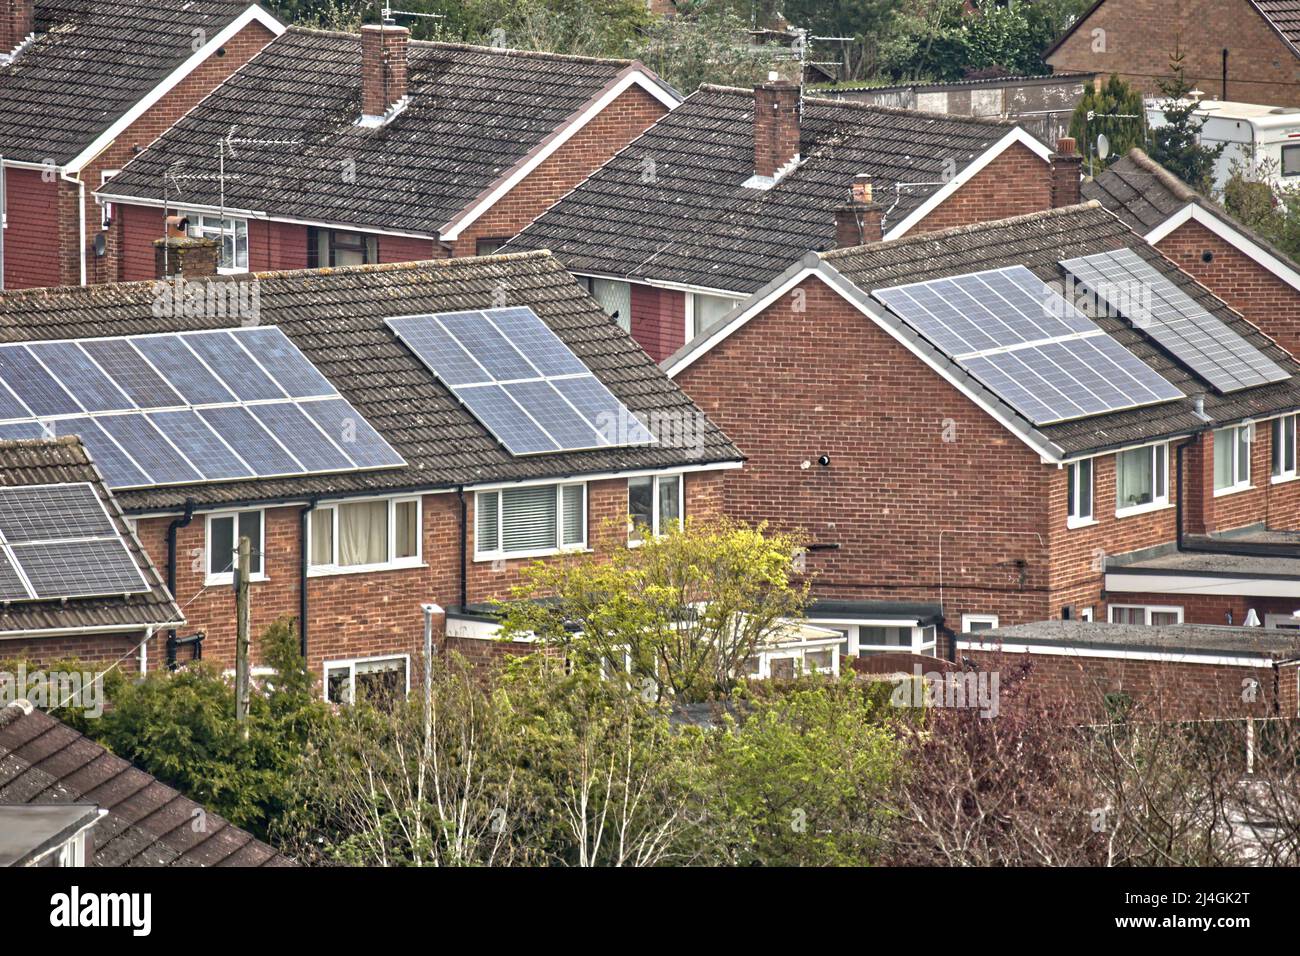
(978, 622)
(1231, 458)
(652, 503)
(528, 521)
(1141, 478)
(335, 247)
(1284, 447)
(224, 531)
(488, 247)
(1079, 485)
(1140, 614)
(1085, 614)
(704, 311)
(615, 297)
(106, 208)
(365, 535)
(231, 234)
(376, 680)
(863, 640)
(1291, 160)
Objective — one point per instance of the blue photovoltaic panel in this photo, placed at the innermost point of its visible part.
(66, 569)
(286, 365)
(35, 386)
(253, 442)
(345, 426)
(1132, 287)
(235, 366)
(24, 431)
(11, 585)
(507, 367)
(81, 376)
(300, 435)
(1027, 344)
(149, 449)
(10, 406)
(202, 446)
(132, 373)
(119, 470)
(50, 512)
(183, 370)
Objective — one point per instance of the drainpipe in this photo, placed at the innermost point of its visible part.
(304, 519)
(464, 544)
(175, 525)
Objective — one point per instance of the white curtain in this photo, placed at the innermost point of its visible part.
(363, 533)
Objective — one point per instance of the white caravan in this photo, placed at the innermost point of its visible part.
(1267, 136)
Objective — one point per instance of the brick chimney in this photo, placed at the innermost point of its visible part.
(193, 258)
(1066, 169)
(383, 70)
(776, 126)
(859, 221)
(17, 23)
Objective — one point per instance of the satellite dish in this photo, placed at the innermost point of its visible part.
(1103, 146)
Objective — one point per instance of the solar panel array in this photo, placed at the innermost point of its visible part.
(57, 541)
(1027, 344)
(520, 380)
(169, 409)
(1135, 289)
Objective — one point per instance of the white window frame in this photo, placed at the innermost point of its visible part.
(351, 664)
(690, 329)
(106, 207)
(1287, 622)
(393, 562)
(198, 230)
(1147, 611)
(968, 619)
(1158, 501)
(561, 548)
(1085, 614)
(796, 653)
(1277, 466)
(920, 644)
(656, 528)
(228, 577)
(1239, 482)
(1073, 517)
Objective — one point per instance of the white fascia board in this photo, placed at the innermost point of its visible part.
(1167, 657)
(1156, 582)
(141, 106)
(607, 475)
(1194, 212)
(1016, 135)
(662, 284)
(632, 76)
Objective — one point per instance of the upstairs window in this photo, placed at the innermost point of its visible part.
(1141, 479)
(1079, 492)
(223, 533)
(615, 298)
(537, 520)
(704, 311)
(1232, 458)
(365, 535)
(336, 247)
(1284, 447)
(231, 234)
(654, 504)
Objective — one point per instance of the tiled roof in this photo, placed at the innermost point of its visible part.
(672, 205)
(474, 112)
(1193, 638)
(43, 761)
(1284, 15)
(62, 461)
(90, 62)
(336, 316)
(1039, 241)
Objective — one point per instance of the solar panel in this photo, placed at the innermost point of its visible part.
(1024, 341)
(57, 541)
(520, 380)
(1135, 289)
(173, 408)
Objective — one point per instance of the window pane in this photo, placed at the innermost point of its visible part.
(1160, 453)
(1135, 477)
(1291, 160)
(363, 533)
(817, 660)
(528, 518)
(575, 528)
(322, 536)
(338, 685)
(1223, 451)
(709, 310)
(1278, 446)
(381, 682)
(615, 298)
(1164, 617)
(1128, 615)
(485, 521)
(1243, 456)
(408, 529)
(1085, 489)
(670, 502)
(250, 527)
(221, 545)
(640, 506)
(1071, 491)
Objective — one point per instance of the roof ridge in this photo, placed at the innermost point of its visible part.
(1171, 182)
(969, 228)
(868, 107)
(471, 47)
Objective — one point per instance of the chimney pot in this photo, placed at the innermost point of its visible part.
(1067, 168)
(776, 127)
(1065, 146)
(862, 188)
(383, 69)
(861, 220)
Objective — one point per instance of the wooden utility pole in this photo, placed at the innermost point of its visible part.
(241, 635)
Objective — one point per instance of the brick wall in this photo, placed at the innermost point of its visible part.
(85, 648)
(1017, 182)
(1139, 36)
(658, 320)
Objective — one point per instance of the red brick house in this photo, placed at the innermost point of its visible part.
(342, 150)
(428, 505)
(932, 485)
(1232, 261)
(84, 86)
(1246, 50)
(720, 195)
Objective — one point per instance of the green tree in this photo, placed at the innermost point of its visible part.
(684, 610)
(864, 22)
(1113, 108)
(709, 44)
(1176, 144)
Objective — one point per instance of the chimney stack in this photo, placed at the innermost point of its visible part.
(383, 71)
(859, 221)
(193, 258)
(776, 126)
(1066, 170)
(17, 23)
